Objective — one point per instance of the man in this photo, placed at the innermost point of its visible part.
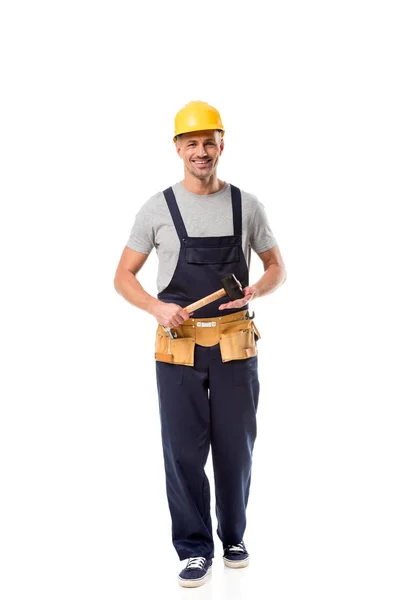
(206, 359)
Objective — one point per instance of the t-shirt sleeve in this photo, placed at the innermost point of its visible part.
(261, 236)
(142, 238)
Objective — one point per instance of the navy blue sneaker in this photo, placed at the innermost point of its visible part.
(196, 572)
(236, 556)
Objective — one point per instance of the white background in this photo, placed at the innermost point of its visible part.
(309, 95)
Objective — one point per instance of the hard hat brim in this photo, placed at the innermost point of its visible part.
(191, 130)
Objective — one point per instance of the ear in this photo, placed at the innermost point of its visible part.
(178, 148)
(221, 145)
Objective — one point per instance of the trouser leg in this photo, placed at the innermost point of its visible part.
(234, 391)
(185, 431)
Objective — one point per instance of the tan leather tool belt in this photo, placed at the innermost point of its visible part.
(236, 335)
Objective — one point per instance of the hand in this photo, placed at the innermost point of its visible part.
(168, 314)
(249, 293)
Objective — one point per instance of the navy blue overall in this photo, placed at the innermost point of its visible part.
(212, 403)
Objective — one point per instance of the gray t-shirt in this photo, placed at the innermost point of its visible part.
(204, 216)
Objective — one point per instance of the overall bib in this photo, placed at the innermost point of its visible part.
(210, 403)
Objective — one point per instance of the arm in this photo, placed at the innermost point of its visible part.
(125, 281)
(274, 272)
(274, 275)
(127, 285)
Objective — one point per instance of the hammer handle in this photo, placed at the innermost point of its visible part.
(205, 300)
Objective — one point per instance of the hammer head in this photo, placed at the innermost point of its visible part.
(232, 286)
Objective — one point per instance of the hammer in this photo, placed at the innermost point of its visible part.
(231, 288)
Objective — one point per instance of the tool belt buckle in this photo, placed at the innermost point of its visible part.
(248, 316)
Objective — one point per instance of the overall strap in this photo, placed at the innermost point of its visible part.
(236, 210)
(175, 213)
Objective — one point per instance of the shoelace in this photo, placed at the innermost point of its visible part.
(196, 563)
(238, 548)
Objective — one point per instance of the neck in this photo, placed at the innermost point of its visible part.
(202, 187)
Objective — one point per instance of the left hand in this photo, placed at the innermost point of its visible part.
(249, 293)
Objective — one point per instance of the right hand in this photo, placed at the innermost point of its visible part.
(168, 314)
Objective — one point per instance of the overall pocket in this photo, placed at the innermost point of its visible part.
(168, 375)
(245, 372)
(209, 256)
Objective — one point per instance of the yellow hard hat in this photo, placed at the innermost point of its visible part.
(197, 116)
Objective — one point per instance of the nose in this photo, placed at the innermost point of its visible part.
(201, 151)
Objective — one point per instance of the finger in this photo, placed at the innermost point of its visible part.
(226, 306)
(236, 304)
(185, 316)
(175, 321)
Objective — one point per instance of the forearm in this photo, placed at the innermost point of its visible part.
(129, 288)
(272, 278)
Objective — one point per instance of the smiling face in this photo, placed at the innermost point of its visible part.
(200, 151)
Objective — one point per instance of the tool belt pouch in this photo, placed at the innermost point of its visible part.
(179, 351)
(238, 340)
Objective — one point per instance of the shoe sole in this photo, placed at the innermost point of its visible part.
(191, 583)
(236, 564)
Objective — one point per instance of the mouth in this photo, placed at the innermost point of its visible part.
(201, 163)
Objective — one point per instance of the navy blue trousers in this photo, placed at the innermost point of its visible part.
(211, 404)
